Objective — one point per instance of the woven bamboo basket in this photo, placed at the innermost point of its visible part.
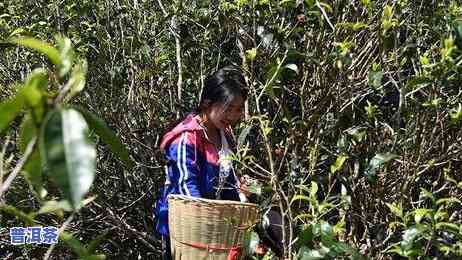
(207, 229)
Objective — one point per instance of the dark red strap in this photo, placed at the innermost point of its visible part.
(234, 252)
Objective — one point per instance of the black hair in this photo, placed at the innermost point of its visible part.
(222, 87)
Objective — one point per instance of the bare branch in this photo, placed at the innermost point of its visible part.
(18, 168)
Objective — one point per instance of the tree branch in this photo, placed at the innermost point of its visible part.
(174, 30)
(6, 185)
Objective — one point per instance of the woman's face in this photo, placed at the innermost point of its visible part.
(222, 116)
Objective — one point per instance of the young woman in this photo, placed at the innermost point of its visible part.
(198, 148)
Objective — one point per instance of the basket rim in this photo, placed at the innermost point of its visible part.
(220, 202)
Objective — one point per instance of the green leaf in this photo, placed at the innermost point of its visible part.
(387, 12)
(17, 213)
(419, 214)
(375, 79)
(359, 26)
(418, 80)
(295, 56)
(289, 3)
(409, 237)
(316, 227)
(338, 163)
(30, 95)
(370, 111)
(106, 135)
(327, 7)
(396, 249)
(39, 46)
(9, 110)
(457, 32)
(77, 80)
(308, 254)
(414, 252)
(33, 167)
(340, 226)
(34, 93)
(343, 143)
(426, 194)
(66, 54)
(69, 154)
(250, 241)
(251, 54)
(440, 214)
(27, 130)
(353, 26)
(73, 243)
(302, 187)
(272, 70)
(310, 3)
(292, 67)
(306, 236)
(303, 216)
(33, 173)
(449, 201)
(434, 103)
(327, 234)
(366, 3)
(314, 189)
(396, 209)
(325, 207)
(449, 226)
(55, 206)
(449, 178)
(94, 257)
(254, 187)
(376, 162)
(344, 248)
(456, 114)
(299, 197)
(243, 135)
(18, 32)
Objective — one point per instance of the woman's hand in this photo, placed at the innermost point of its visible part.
(243, 187)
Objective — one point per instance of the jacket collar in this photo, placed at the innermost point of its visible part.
(189, 123)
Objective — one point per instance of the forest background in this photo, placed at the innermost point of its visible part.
(352, 126)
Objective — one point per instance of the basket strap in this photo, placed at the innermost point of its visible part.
(234, 252)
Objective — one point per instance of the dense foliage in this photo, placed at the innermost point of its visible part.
(352, 128)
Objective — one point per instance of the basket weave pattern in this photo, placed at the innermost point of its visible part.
(207, 229)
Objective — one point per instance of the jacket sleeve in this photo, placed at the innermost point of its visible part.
(183, 156)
